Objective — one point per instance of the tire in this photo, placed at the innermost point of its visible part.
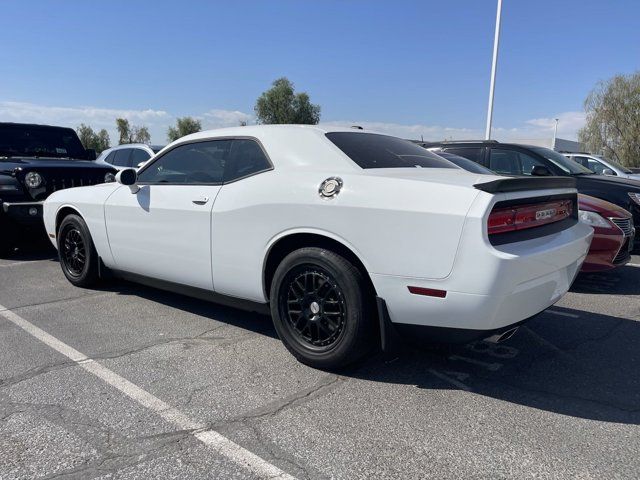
(322, 308)
(78, 256)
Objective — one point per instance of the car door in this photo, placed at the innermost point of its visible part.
(163, 230)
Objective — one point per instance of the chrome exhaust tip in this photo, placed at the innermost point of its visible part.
(501, 337)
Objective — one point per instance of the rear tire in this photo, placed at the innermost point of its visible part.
(78, 256)
(322, 309)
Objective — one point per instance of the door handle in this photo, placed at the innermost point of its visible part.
(200, 200)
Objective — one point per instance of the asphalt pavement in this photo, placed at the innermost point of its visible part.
(125, 381)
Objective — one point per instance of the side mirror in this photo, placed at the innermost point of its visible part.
(91, 154)
(541, 171)
(609, 172)
(128, 177)
(141, 164)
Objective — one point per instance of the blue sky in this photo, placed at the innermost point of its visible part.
(408, 68)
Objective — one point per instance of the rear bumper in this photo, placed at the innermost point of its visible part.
(491, 288)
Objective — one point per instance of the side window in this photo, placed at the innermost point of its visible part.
(473, 154)
(596, 166)
(138, 156)
(121, 158)
(511, 162)
(246, 158)
(584, 161)
(192, 164)
(110, 157)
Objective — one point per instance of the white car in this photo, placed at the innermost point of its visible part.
(602, 165)
(342, 235)
(128, 155)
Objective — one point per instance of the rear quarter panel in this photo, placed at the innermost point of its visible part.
(395, 226)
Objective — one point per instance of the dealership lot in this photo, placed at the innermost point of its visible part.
(174, 387)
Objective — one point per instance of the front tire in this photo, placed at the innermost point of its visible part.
(78, 256)
(322, 308)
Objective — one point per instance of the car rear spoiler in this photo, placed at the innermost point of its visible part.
(518, 184)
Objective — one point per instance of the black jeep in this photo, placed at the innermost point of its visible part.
(36, 160)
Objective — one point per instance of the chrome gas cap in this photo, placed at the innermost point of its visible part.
(330, 187)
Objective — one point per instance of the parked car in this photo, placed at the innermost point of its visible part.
(322, 227)
(528, 160)
(36, 160)
(613, 226)
(130, 155)
(602, 165)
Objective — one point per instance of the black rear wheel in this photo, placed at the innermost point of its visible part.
(78, 256)
(321, 308)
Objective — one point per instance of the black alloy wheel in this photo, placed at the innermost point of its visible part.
(73, 253)
(315, 307)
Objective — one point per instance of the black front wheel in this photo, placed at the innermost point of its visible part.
(78, 256)
(321, 308)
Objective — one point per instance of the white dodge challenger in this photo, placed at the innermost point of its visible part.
(344, 236)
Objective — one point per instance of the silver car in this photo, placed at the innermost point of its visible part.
(129, 155)
(602, 166)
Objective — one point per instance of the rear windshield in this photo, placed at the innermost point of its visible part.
(35, 141)
(370, 150)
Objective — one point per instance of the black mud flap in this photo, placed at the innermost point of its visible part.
(389, 339)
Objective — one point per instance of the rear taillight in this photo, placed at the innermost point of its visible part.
(520, 217)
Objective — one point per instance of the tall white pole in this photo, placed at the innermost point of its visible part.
(555, 132)
(496, 43)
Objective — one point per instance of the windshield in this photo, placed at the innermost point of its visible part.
(568, 166)
(615, 164)
(40, 141)
(371, 150)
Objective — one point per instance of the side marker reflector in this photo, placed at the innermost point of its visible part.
(429, 292)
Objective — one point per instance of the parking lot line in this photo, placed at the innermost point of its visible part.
(211, 438)
(15, 264)
(632, 265)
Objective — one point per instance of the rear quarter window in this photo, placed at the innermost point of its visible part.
(371, 150)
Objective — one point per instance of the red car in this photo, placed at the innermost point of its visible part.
(612, 237)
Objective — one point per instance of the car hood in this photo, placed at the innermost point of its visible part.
(602, 207)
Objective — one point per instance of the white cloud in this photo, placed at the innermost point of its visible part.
(158, 122)
(568, 125)
(217, 118)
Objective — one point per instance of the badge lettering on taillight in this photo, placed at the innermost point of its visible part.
(544, 214)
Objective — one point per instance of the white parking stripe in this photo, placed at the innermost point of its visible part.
(563, 314)
(450, 380)
(15, 264)
(211, 438)
(632, 265)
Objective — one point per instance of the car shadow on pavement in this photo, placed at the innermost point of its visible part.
(250, 321)
(621, 281)
(584, 367)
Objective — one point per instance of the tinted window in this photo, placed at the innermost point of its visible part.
(584, 161)
(110, 157)
(568, 166)
(121, 158)
(191, 163)
(617, 165)
(33, 140)
(474, 154)
(138, 156)
(465, 163)
(370, 150)
(512, 162)
(246, 158)
(591, 164)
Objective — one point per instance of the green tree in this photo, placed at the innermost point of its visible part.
(184, 126)
(131, 134)
(613, 119)
(90, 139)
(280, 104)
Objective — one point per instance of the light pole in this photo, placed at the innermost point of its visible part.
(496, 42)
(555, 132)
